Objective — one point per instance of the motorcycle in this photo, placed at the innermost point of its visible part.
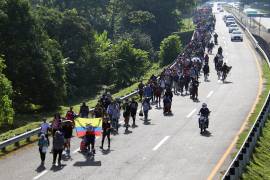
(216, 41)
(225, 73)
(203, 124)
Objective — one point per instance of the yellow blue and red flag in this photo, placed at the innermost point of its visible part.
(85, 126)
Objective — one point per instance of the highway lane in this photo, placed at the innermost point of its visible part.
(169, 147)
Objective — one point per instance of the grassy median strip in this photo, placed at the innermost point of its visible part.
(259, 167)
(263, 96)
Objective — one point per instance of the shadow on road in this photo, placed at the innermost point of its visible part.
(127, 132)
(227, 82)
(88, 162)
(40, 168)
(106, 151)
(57, 168)
(207, 133)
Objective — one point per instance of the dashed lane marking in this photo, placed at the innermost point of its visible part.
(191, 113)
(160, 143)
(210, 94)
(41, 174)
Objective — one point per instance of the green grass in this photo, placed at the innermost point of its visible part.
(252, 118)
(259, 167)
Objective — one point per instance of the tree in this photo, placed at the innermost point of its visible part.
(6, 110)
(78, 44)
(34, 62)
(169, 49)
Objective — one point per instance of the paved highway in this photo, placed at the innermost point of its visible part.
(169, 147)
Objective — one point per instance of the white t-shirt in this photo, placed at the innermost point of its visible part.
(45, 127)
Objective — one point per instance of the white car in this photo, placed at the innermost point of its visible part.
(230, 22)
(227, 17)
(236, 36)
(232, 27)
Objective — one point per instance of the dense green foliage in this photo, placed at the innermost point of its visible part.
(58, 50)
(34, 62)
(170, 47)
(6, 111)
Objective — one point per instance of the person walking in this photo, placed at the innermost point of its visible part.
(42, 147)
(56, 123)
(115, 116)
(133, 111)
(106, 127)
(45, 128)
(58, 147)
(126, 113)
(67, 129)
(84, 111)
(146, 107)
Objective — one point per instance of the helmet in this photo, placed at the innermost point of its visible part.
(204, 105)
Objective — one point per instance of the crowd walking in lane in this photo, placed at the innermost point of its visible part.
(180, 79)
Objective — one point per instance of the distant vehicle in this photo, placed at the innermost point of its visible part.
(221, 10)
(236, 36)
(227, 17)
(234, 29)
(230, 22)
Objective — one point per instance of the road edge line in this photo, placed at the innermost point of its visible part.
(242, 128)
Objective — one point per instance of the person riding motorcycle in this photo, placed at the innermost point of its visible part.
(225, 70)
(220, 50)
(204, 111)
(216, 38)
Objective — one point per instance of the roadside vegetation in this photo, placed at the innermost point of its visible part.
(263, 96)
(260, 162)
(110, 51)
(55, 54)
(259, 167)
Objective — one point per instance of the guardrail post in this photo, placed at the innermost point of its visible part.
(17, 143)
(28, 139)
(232, 173)
(241, 166)
(245, 159)
(236, 169)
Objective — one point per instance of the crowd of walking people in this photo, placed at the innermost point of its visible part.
(181, 78)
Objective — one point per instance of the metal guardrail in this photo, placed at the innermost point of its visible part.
(241, 160)
(27, 135)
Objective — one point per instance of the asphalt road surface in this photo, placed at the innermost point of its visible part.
(169, 147)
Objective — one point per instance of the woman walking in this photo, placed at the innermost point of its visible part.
(43, 147)
(58, 147)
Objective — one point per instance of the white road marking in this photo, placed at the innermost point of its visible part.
(210, 94)
(76, 151)
(160, 143)
(41, 174)
(191, 113)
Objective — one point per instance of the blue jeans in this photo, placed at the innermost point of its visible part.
(115, 124)
(145, 115)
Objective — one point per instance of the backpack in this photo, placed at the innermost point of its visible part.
(133, 105)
